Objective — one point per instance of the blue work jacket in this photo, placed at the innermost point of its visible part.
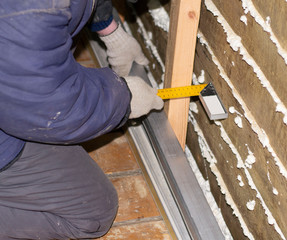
(45, 95)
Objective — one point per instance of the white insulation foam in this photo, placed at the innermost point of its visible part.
(210, 158)
(148, 41)
(248, 6)
(251, 205)
(240, 164)
(208, 195)
(159, 15)
(235, 43)
(261, 135)
(243, 19)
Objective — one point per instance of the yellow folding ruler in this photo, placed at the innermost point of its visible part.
(180, 92)
(207, 96)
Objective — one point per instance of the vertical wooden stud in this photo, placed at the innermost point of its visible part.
(184, 18)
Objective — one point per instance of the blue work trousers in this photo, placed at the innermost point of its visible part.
(55, 192)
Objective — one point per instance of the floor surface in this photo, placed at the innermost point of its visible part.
(140, 215)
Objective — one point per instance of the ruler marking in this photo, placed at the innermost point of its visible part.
(180, 92)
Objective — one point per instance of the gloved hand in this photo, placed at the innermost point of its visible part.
(122, 50)
(144, 98)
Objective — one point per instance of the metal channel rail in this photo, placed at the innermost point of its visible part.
(169, 170)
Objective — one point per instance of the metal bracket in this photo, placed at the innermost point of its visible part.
(212, 103)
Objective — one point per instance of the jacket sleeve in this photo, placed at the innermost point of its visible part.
(103, 15)
(103, 10)
(45, 95)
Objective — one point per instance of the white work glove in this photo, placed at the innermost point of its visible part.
(144, 98)
(122, 50)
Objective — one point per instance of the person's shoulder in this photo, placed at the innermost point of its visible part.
(10, 8)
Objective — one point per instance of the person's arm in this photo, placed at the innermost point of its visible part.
(122, 48)
(45, 95)
(102, 16)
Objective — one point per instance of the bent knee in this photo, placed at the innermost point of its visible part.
(93, 227)
(99, 220)
(106, 222)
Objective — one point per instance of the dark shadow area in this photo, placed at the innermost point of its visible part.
(102, 140)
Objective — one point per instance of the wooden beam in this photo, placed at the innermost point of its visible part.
(184, 18)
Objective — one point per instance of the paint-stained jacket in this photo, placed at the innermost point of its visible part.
(45, 95)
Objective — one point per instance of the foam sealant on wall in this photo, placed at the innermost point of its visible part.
(250, 160)
(201, 78)
(274, 190)
(235, 43)
(241, 183)
(161, 19)
(263, 138)
(247, 114)
(248, 6)
(208, 195)
(238, 118)
(251, 205)
(159, 15)
(149, 44)
(238, 121)
(243, 19)
(240, 164)
(210, 158)
(198, 80)
(261, 135)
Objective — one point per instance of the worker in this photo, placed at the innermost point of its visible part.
(50, 188)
